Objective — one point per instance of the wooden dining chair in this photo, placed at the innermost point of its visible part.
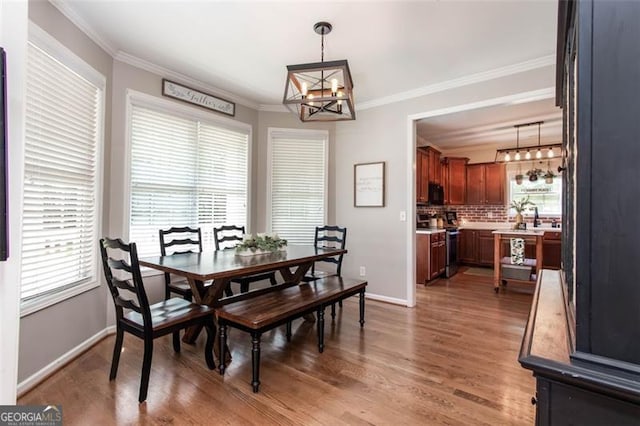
(227, 237)
(175, 241)
(331, 236)
(147, 322)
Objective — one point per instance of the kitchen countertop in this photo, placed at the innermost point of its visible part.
(503, 226)
(536, 232)
(429, 230)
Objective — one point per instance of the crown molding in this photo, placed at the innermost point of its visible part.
(274, 108)
(196, 84)
(541, 62)
(71, 15)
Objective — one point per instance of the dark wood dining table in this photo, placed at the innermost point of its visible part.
(223, 265)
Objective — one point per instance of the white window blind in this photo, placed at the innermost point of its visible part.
(184, 172)
(298, 166)
(61, 177)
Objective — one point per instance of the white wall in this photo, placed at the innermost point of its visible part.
(13, 38)
(377, 238)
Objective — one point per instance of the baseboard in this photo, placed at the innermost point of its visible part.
(386, 299)
(39, 376)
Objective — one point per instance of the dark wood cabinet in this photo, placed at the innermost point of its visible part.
(454, 172)
(430, 256)
(422, 176)
(476, 247)
(485, 183)
(423, 256)
(582, 345)
(552, 250)
(428, 169)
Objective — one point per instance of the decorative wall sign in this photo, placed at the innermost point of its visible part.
(196, 97)
(368, 185)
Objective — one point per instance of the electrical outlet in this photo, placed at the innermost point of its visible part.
(490, 215)
(403, 216)
(363, 271)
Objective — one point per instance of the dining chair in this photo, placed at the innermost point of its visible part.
(145, 321)
(331, 236)
(227, 237)
(176, 240)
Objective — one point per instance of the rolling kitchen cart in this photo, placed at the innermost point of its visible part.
(504, 270)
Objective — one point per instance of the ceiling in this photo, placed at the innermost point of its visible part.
(393, 47)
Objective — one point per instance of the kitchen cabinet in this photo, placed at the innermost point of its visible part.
(430, 256)
(476, 247)
(551, 250)
(454, 180)
(485, 183)
(438, 254)
(428, 169)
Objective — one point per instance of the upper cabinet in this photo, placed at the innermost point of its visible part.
(454, 180)
(428, 169)
(485, 183)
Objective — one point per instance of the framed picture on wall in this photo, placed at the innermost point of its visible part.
(368, 184)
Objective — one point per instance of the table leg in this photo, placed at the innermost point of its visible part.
(296, 277)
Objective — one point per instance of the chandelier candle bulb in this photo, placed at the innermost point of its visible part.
(334, 86)
(305, 89)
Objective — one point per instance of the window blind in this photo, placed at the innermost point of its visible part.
(184, 172)
(298, 185)
(60, 219)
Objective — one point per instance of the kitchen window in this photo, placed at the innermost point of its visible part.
(186, 170)
(546, 196)
(62, 174)
(297, 183)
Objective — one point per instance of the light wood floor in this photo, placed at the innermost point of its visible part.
(451, 360)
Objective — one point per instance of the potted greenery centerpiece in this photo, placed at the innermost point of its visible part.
(548, 176)
(260, 244)
(534, 174)
(519, 206)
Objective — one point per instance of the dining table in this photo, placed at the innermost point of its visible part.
(221, 266)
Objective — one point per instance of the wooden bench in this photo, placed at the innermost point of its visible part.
(268, 310)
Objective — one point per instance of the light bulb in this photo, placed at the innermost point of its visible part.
(528, 155)
(539, 154)
(334, 85)
(517, 157)
(550, 153)
(310, 97)
(305, 89)
(507, 157)
(340, 94)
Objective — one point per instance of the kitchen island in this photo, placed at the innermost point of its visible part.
(504, 269)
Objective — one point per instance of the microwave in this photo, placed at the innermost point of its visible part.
(436, 194)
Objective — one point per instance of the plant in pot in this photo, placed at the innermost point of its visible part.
(548, 176)
(534, 174)
(519, 206)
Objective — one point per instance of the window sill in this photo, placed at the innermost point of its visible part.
(42, 302)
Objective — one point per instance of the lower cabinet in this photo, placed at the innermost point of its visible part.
(476, 247)
(551, 250)
(431, 255)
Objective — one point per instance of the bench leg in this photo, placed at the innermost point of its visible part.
(362, 308)
(333, 311)
(321, 329)
(255, 360)
(222, 335)
(288, 331)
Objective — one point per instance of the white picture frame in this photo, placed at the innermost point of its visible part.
(369, 184)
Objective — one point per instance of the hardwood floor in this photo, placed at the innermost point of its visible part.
(451, 360)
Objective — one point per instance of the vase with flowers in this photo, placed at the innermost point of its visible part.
(519, 206)
(548, 176)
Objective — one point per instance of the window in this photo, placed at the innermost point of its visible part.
(62, 171)
(185, 171)
(298, 183)
(546, 196)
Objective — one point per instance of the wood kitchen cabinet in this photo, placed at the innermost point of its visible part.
(485, 183)
(476, 247)
(430, 256)
(454, 180)
(428, 169)
(551, 250)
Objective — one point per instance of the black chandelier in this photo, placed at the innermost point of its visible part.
(320, 91)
